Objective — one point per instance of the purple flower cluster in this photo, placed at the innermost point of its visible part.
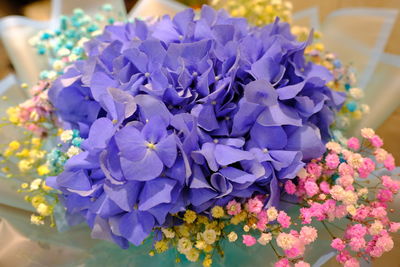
(187, 113)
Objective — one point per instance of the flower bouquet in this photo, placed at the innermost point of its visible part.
(198, 132)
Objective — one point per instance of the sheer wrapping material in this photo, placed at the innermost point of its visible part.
(359, 36)
(155, 8)
(15, 32)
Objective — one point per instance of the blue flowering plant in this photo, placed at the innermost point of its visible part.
(181, 117)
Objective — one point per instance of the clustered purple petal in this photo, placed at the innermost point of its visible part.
(184, 114)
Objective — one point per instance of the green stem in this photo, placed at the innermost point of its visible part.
(276, 252)
(334, 225)
(327, 229)
(289, 202)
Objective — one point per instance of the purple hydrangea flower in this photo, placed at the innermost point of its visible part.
(187, 113)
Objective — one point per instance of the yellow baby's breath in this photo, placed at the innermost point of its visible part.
(217, 212)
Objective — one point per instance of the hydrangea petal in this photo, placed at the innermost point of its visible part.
(145, 169)
(131, 143)
(125, 99)
(278, 115)
(221, 184)
(260, 92)
(167, 151)
(155, 192)
(149, 107)
(77, 180)
(102, 230)
(270, 137)
(237, 176)
(105, 207)
(125, 195)
(136, 226)
(100, 133)
(307, 140)
(226, 155)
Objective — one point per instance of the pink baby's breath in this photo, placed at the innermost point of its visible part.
(282, 263)
(311, 188)
(254, 205)
(233, 207)
(301, 264)
(366, 168)
(352, 262)
(314, 169)
(332, 160)
(385, 195)
(283, 219)
(394, 227)
(308, 234)
(353, 143)
(290, 187)
(338, 244)
(376, 141)
(389, 162)
(249, 240)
